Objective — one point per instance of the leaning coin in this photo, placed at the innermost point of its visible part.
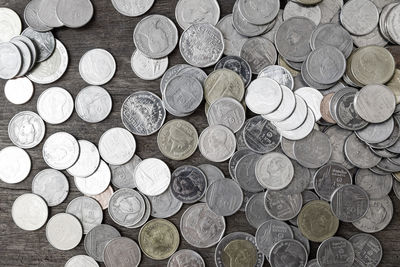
(97, 239)
(18, 91)
(117, 146)
(81, 260)
(297, 253)
(377, 186)
(224, 197)
(367, 248)
(297, 118)
(303, 130)
(51, 185)
(60, 150)
(132, 8)
(122, 252)
(88, 160)
(185, 256)
(64, 231)
(217, 143)
(152, 177)
(55, 105)
(95, 183)
(206, 12)
(313, 99)
(255, 211)
(165, 205)
(228, 112)
(87, 210)
(260, 135)
(337, 246)
(263, 96)
(188, 184)
(359, 154)
(11, 61)
(126, 207)
(148, 68)
(74, 13)
(93, 104)
(29, 212)
(104, 197)
(26, 57)
(281, 206)
(349, 203)
(122, 176)
(44, 42)
(15, 165)
(31, 46)
(26, 129)
(238, 65)
(97, 66)
(11, 24)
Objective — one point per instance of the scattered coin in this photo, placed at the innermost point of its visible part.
(352, 14)
(224, 197)
(74, 13)
(260, 135)
(376, 132)
(60, 150)
(19, 90)
(55, 105)
(87, 210)
(15, 165)
(233, 40)
(97, 239)
(189, 12)
(31, 16)
(88, 160)
(126, 207)
(95, 183)
(148, 68)
(29, 212)
(64, 231)
(47, 14)
(97, 66)
(377, 186)
(338, 246)
(51, 185)
(117, 146)
(238, 65)
(259, 52)
(256, 213)
(261, 15)
(132, 8)
(186, 256)
(367, 249)
(122, 251)
(245, 173)
(26, 129)
(81, 260)
(93, 104)
(11, 24)
(152, 177)
(359, 154)
(147, 212)
(217, 143)
(164, 205)
(263, 96)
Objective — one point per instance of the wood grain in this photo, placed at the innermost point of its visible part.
(112, 31)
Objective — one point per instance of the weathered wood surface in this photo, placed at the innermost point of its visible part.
(112, 31)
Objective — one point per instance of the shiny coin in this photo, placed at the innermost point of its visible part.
(189, 12)
(262, 14)
(270, 233)
(282, 207)
(376, 132)
(313, 99)
(186, 256)
(10, 62)
(294, 9)
(29, 212)
(359, 154)
(95, 183)
(97, 239)
(349, 203)
(181, 69)
(165, 205)
(104, 197)
(228, 112)
(126, 207)
(259, 53)
(263, 96)
(32, 48)
(377, 186)
(87, 210)
(11, 24)
(18, 91)
(245, 173)
(97, 67)
(93, 104)
(224, 197)
(60, 150)
(260, 135)
(238, 65)
(255, 211)
(188, 184)
(158, 239)
(26, 129)
(51, 185)
(81, 260)
(278, 74)
(217, 143)
(353, 14)
(367, 248)
(64, 231)
(44, 42)
(303, 130)
(148, 68)
(88, 160)
(286, 107)
(232, 39)
(147, 212)
(152, 177)
(31, 17)
(297, 118)
(117, 146)
(132, 8)
(74, 13)
(341, 249)
(15, 165)
(123, 175)
(26, 57)
(136, 116)
(297, 253)
(55, 105)
(47, 13)
(244, 27)
(123, 252)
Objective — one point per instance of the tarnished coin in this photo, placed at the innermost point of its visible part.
(232, 39)
(11, 60)
(288, 252)
(359, 154)
(165, 205)
(51, 185)
(81, 260)
(353, 14)
(377, 186)
(126, 207)
(317, 222)
(186, 256)
(132, 8)
(349, 203)
(339, 247)
(123, 252)
(29, 212)
(337, 137)
(295, 9)
(281, 206)
(245, 173)
(156, 36)
(274, 171)
(152, 177)
(18, 91)
(367, 249)
(74, 13)
(117, 146)
(47, 13)
(201, 45)
(259, 53)
(270, 233)
(256, 214)
(44, 42)
(228, 112)
(26, 129)
(238, 65)
(148, 68)
(158, 239)
(376, 132)
(97, 66)
(55, 105)
(143, 113)
(257, 13)
(224, 197)
(201, 227)
(123, 176)
(217, 143)
(263, 96)
(11, 24)
(260, 135)
(97, 239)
(60, 150)
(88, 160)
(278, 74)
(31, 16)
(95, 183)
(188, 184)
(189, 12)
(244, 27)
(87, 210)
(64, 231)
(93, 104)
(329, 178)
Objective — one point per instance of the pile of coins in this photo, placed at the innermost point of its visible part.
(313, 140)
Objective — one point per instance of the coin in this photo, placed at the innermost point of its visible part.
(182, 69)
(60, 142)
(263, 96)
(88, 160)
(299, 237)
(63, 231)
(244, 27)
(217, 143)
(297, 118)
(95, 183)
(303, 130)
(132, 8)
(97, 239)
(188, 184)
(81, 260)
(148, 68)
(15, 165)
(245, 173)
(93, 104)
(294, 9)
(212, 173)
(29, 212)
(26, 57)
(158, 239)
(352, 13)
(232, 39)
(55, 105)
(259, 53)
(367, 248)
(255, 211)
(201, 45)
(32, 49)
(147, 212)
(270, 33)
(164, 205)
(349, 203)
(373, 38)
(279, 74)
(11, 61)
(126, 207)
(97, 66)
(18, 91)
(122, 176)
(338, 246)
(11, 24)
(391, 27)
(313, 99)
(152, 177)
(228, 112)
(87, 210)
(312, 263)
(122, 251)
(297, 253)
(233, 161)
(189, 12)
(359, 154)
(270, 233)
(224, 197)
(74, 13)
(301, 180)
(31, 16)
(258, 14)
(26, 129)
(186, 256)
(238, 65)
(44, 42)
(117, 146)
(47, 14)
(393, 85)
(51, 185)
(281, 206)
(376, 132)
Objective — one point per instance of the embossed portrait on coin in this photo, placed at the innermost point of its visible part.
(187, 261)
(48, 186)
(203, 225)
(328, 68)
(177, 139)
(240, 253)
(366, 61)
(217, 144)
(129, 206)
(186, 184)
(26, 129)
(58, 105)
(376, 213)
(93, 105)
(197, 12)
(159, 239)
(156, 39)
(274, 168)
(143, 113)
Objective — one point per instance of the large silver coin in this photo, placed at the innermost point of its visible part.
(51, 185)
(165, 205)
(60, 150)
(15, 165)
(255, 211)
(224, 197)
(377, 186)
(228, 112)
(232, 39)
(297, 118)
(126, 207)
(55, 105)
(259, 53)
(186, 256)
(217, 143)
(74, 13)
(117, 146)
(359, 154)
(338, 246)
(31, 16)
(93, 104)
(353, 16)
(97, 239)
(10, 24)
(26, 129)
(122, 252)
(95, 183)
(182, 69)
(64, 231)
(81, 260)
(132, 8)
(18, 91)
(263, 96)
(87, 210)
(152, 177)
(376, 132)
(367, 248)
(47, 13)
(238, 65)
(10, 61)
(147, 68)
(44, 42)
(123, 176)
(259, 13)
(97, 66)
(281, 206)
(188, 12)
(278, 74)
(88, 160)
(29, 212)
(297, 254)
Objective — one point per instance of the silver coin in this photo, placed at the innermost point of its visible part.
(287, 147)
(122, 252)
(123, 175)
(228, 112)
(303, 130)
(11, 24)
(301, 180)
(243, 26)
(392, 143)
(367, 248)
(392, 27)
(313, 99)
(60, 150)
(88, 160)
(26, 57)
(164, 205)
(15, 165)
(297, 118)
(353, 16)
(245, 173)
(297, 253)
(182, 69)
(52, 68)
(148, 68)
(376, 132)
(81, 260)
(132, 8)
(186, 256)
(238, 65)
(270, 34)
(232, 39)
(307, 196)
(270, 233)
(217, 143)
(274, 171)
(32, 48)
(55, 105)
(87, 210)
(263, 96)
(240, 144)
(201, 45)
(147, 212)
(29, 212)
(51, 185)
(388, 166)
(259, 53)
(47, 13)
(188, 184)
(359, 154)
(259, 13)
(301, 238)
(31, 16)
(117, 146)
(255, 211)
(212, 173)
(126, 207)
(155, 36)
(44, 41)
(136, 116)
(93, 104)
(18, 91)
(97, 239)
(97, 66)
(338, 246)
(373, 38)
(337, 137)
(282, 207)
(330, 177)
(294, 9)
(74, 13)
(278, 74)
(95, 183)
(11, 60)
(152, 177)
(236, 157)
(377, 186)
(64, 231)
(224, 197)
(349, 203)
(26, 129)
(189, 12)
(329, 9)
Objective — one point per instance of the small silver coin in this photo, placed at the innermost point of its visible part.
(282, 207)
(97, 66)
(188, 184)
(367, 248)
(349, 203)
(132, 8)
(165, 205)
(122, 252)
(44, 42)
(55, 105)
(11, 60)
(93, 104)
(147, 68)
(359, 154)
(18, 91)
(87, 210)
(297, 253)
(74, 13)
(184, 256)
(278, 74)
(88, 160)
(228, 112)
(26, 129)
(189, 12)
(217, 143)
(81, 260)
(117, 146)
(11, 22)
(60, 150)
(95, 183)
(122, 176)
(259, 53)
(51, 185)
(337, 246)
(232, 39)
(260, 135)
(97, 239)
(255, 211)
(224, 197)
(377, 186)
(153, 177)
(263, 96)
(64, 231)
(29, 212)
(126, 207)
(31, 16)
(245, 173)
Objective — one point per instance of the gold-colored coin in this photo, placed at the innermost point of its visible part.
(317, 222)
(394, 85)
(177, 139)
(239, 253)
(223, 83)
(396, 175)
(158, 239)
(282, 62)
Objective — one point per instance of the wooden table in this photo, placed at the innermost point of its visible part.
(112, 31)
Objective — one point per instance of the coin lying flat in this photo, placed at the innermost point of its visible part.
(31, 46)
(228, 112)
(31, 16)
(302, 179)
(97, 66)
(60, 150)
(244, 27)
(47, 13)
(238, 65)
(44, 41)
(10, 62)
(165, 205)
(279, 74)
(245, 173)
(217, 143)
(146, 216)
(338, 246)
(188, 184)
(148, 68)
(292, 247)
(152, 177)
(97, 239)
(282, 207)
(123, 175)
(347, 197)
(232, 39)
(294, 9)
(182, 69)
(188, 12)
(263, 96)
(260, 15)
(377, 186)
(88, 160)
(186, 256)
(117, 146)
(260, 135)
(132, 8)
(95, 183)
(367, 248)
(18, 91)
(81, 260)
(122, 251)
(259, 53)
(224, 197)
(64, 231)
(29, 212)
(87, 210)
(74, 13)
(26, 129)
(55, 105)
(51, 185)
(256, 213)
(359, 154)
(376, 132)
(93, 104)
(15, 165)
(353, 14)
(11, 24)
(126, 207)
